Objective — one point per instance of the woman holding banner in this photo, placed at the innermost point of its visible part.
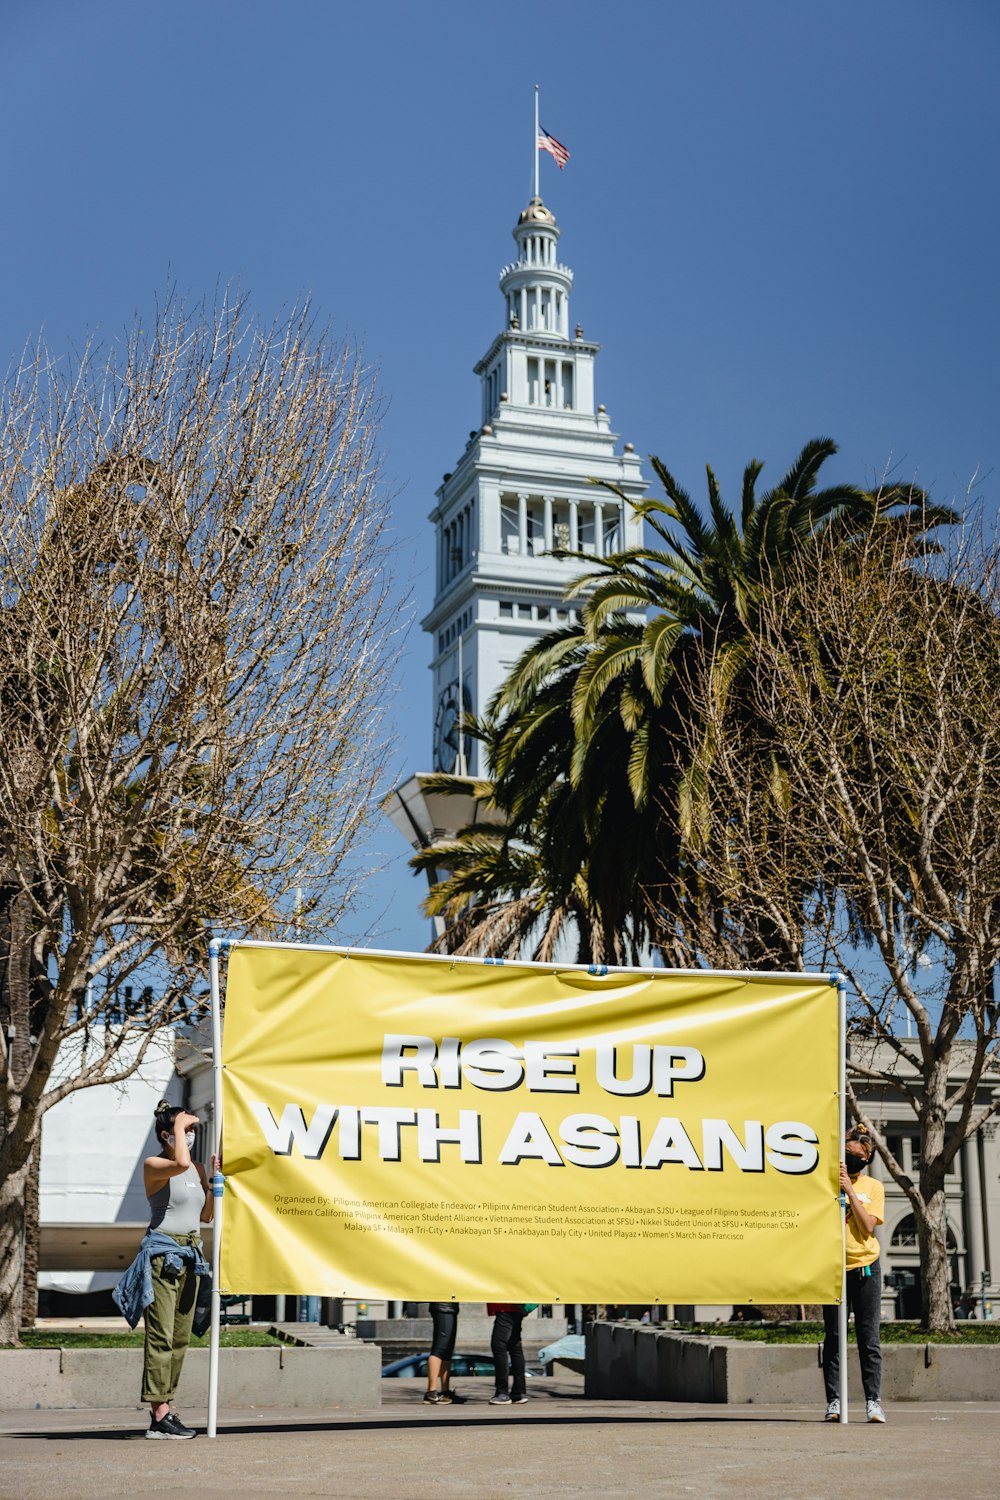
(179, 1202)
(864, 1206)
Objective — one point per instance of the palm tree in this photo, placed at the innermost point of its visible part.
(510, 888)
(589, 738)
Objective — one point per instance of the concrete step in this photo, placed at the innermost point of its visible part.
(310, 1335)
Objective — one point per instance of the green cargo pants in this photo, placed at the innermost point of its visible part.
(168, 1327)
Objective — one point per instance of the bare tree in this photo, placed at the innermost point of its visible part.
(853, 820)
(195, 638)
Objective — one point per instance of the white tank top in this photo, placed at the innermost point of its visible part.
(176, 1207)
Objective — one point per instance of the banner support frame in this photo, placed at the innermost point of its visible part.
(842, 1088)
(215, 948)
(218, 945)
(454, 960)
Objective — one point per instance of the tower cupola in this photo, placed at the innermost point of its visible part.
(536, 286)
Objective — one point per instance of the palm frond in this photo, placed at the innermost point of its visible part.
(748, 495)
(610, 657)
(801, 477)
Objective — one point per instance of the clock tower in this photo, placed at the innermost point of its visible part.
(522, 486)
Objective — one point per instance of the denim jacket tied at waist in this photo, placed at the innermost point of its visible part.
(134, 1292)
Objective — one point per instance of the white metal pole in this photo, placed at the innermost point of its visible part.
(842, 1085)
(218, 1184)
(536, 141)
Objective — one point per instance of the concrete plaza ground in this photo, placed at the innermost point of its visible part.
(557, 1445)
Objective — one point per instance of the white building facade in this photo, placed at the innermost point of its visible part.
(523, 486)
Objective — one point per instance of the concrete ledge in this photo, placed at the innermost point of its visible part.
(630, 1361)
(474, 1330)
(400, 1337)
(283, 1377)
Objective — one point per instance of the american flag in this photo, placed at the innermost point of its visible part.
(555, 148)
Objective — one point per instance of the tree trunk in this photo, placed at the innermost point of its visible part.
(12, 1194)
(32, 1240)
(932, 1224)
(937, 1314)
(15, 1151)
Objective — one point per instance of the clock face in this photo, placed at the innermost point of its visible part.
(446, 728)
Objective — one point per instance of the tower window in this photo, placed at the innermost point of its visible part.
(567, 385)
(509, 536)
(534, 379)
(506, 609)
(612, 530)
(536, 540)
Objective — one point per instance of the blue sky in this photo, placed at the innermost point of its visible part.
(782, 218)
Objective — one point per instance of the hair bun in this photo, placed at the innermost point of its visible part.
(163, 1104)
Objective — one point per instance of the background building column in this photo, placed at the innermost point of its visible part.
(972, 1213)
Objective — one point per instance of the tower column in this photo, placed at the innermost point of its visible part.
(598, 530)
(547, 522)
(522, 524)
(574, 527)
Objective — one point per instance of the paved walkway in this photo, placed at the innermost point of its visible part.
(557, 1445)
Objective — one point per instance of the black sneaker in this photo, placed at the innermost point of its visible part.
(518, 1400)
(433, 1398)
(178, 1426)
(171, 1428)
(455, 1398)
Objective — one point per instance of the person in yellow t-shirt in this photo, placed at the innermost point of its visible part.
(864, 1207)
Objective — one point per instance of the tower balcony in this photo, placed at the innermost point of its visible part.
(528, 273)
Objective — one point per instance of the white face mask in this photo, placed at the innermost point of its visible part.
(189, 1137)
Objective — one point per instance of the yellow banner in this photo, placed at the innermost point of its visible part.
(416, 1128)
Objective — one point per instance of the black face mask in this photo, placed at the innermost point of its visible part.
(855, 1164)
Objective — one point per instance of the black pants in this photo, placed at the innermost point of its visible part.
(507, 1352)
(864, 1299)
(445, 1316)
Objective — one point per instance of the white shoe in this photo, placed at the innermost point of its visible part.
(832, 1411)
(875, 1412)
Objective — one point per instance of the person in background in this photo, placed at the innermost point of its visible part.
(179, 1201)
(445, 1318)
(864, 1208)
(508, 1356)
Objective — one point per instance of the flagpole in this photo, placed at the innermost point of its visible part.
(536, 141)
